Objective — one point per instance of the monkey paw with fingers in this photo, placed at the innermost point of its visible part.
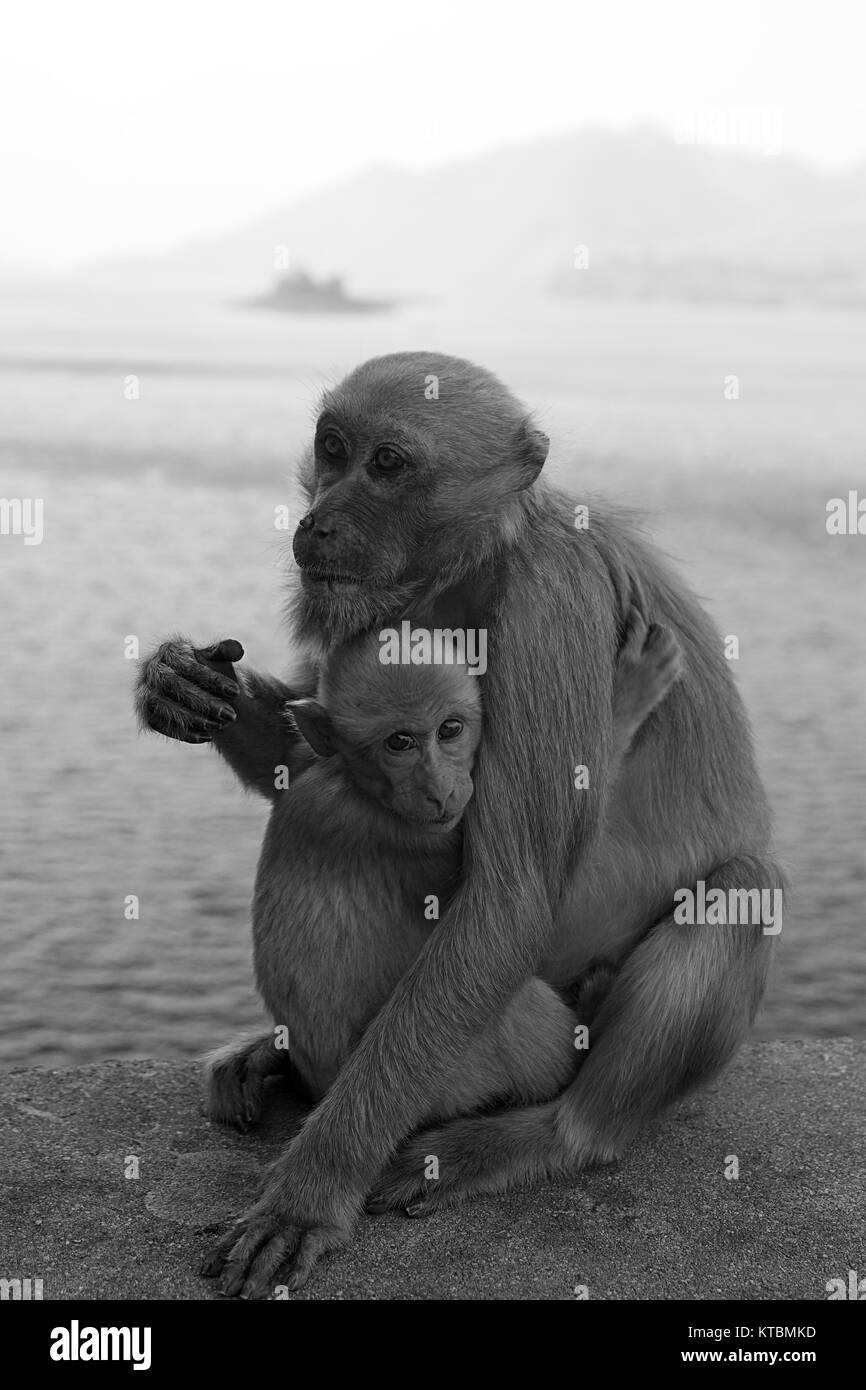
(650, 662)
(278, 1242)
(186, 693)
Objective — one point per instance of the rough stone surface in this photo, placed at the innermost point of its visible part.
(664, 1223)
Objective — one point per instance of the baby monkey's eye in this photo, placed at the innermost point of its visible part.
(400, 743)
(452, 728)
(387, 460)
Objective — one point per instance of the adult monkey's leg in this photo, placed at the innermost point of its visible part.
(674, 1015)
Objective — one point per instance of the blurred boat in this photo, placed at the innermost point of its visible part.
(299, 293)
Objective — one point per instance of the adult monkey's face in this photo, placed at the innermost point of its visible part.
(418, 459)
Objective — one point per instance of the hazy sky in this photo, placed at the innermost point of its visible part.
(129, 127)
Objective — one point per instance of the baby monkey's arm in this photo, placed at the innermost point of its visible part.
(649, 664)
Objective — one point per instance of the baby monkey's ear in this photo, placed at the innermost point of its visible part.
(315, 725)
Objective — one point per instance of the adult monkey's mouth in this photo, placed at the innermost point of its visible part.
(317, 575)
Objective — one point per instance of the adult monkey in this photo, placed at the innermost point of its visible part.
(432, 510)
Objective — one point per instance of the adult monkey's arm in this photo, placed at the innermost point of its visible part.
(551, 650)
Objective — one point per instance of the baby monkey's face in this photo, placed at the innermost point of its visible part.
(421, 770)
(407, 737)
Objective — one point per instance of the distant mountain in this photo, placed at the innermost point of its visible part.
(707, 279)
(510, 222)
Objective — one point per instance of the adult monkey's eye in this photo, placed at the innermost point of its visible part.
(451, 728)
(400, 743)
(333, 445)
(387, 460)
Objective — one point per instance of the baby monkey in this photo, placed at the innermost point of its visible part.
(361, 855)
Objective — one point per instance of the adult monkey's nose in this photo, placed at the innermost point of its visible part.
(308, 523)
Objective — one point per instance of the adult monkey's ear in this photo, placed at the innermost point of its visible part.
(531, 449)
(315, 725)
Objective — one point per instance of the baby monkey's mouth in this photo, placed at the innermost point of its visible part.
(435, 822)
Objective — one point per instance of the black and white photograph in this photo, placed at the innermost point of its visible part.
(432, 585)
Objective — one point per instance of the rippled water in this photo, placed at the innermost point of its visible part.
(159, 518)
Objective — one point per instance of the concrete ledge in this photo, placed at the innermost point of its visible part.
(663, 1223)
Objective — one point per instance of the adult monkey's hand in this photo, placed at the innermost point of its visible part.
(282, 1237)
(185, 692)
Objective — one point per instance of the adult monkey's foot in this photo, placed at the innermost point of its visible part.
(186, 693)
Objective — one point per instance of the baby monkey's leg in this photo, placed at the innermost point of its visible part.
(529, 1053)
(235, 1077)
(526, 1054)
